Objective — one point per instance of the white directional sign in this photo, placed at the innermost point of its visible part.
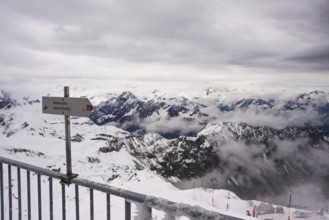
(66, 106)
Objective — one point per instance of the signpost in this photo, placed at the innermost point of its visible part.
(68, 107)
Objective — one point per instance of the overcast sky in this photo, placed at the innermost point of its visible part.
(210, 42)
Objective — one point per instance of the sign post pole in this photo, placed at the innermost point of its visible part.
(66, 179)
(68, 137)
(67, 106)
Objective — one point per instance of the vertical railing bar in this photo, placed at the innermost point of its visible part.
(144, 212)
(77, 207)
(91, 204)
(149, 212)
(63, 202)
(10, 193)
(39, 197)
(51, 209)
(28, 194)
(127, 210)
(1, 193)
(19, 193)
(108, 206)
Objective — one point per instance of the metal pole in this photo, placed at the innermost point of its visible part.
(143, 212)
(91, 204)
(19, 193)
(39, 197)
(1, 193)
(127, 210)
(29, 215)
(169, 216)
(108, 206)
(289, 202)
(77, 205)
(10, 193)
(51, 208)
(63, 203)
(68, 137)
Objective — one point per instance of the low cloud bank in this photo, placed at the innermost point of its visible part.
(271, 169)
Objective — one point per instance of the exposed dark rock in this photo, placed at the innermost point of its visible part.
(210, 153)
(77, 138)
(134, 115)
(26, 151)
(128, 112)
(113, 177)
(93, 160)
(175, 110)
(6, 102)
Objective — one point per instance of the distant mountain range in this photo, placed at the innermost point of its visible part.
(172, 117)
(194, 140)
(248, 160)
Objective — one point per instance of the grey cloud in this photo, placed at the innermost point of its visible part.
(65, 12)
(75, 34)
(297, 153)
(173, 125)
(320, 56)
(275, 117)
(279, 37)
(316, 59)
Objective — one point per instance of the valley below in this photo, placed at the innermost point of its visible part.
(212, 150)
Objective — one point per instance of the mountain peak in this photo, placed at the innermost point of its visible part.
(6, 101)
(3, 94)
(125, 96)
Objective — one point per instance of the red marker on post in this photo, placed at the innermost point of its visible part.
(90, 108)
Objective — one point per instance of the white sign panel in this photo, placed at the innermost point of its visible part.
(66, 106)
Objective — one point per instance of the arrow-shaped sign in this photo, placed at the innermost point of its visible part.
(66, 106)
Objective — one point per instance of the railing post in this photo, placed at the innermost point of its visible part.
(1, 193)
(169, 216)
(51, 209)
(77, 205)
(127, 210)
(91, 204)
(143, 212)
(28, 195)
(19, 193)
(10, 193)
(63, 202)
(39, 197)
(108, 206)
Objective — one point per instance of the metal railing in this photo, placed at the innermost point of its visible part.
(144, 203)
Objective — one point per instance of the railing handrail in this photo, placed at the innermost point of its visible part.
(178, 209)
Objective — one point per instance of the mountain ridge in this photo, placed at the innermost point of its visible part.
(248, 159)
(142, 115)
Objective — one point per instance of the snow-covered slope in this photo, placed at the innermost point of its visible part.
(248, 160)
(175, 116)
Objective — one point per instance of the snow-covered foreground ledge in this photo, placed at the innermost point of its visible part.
(224, 202)
(10, 184)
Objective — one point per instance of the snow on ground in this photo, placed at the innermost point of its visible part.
(48, 152)
(41, 143)
(122, 163)
(221, 201)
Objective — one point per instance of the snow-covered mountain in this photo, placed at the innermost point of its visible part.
(172, 117)
(135, 114)
(251, 159)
